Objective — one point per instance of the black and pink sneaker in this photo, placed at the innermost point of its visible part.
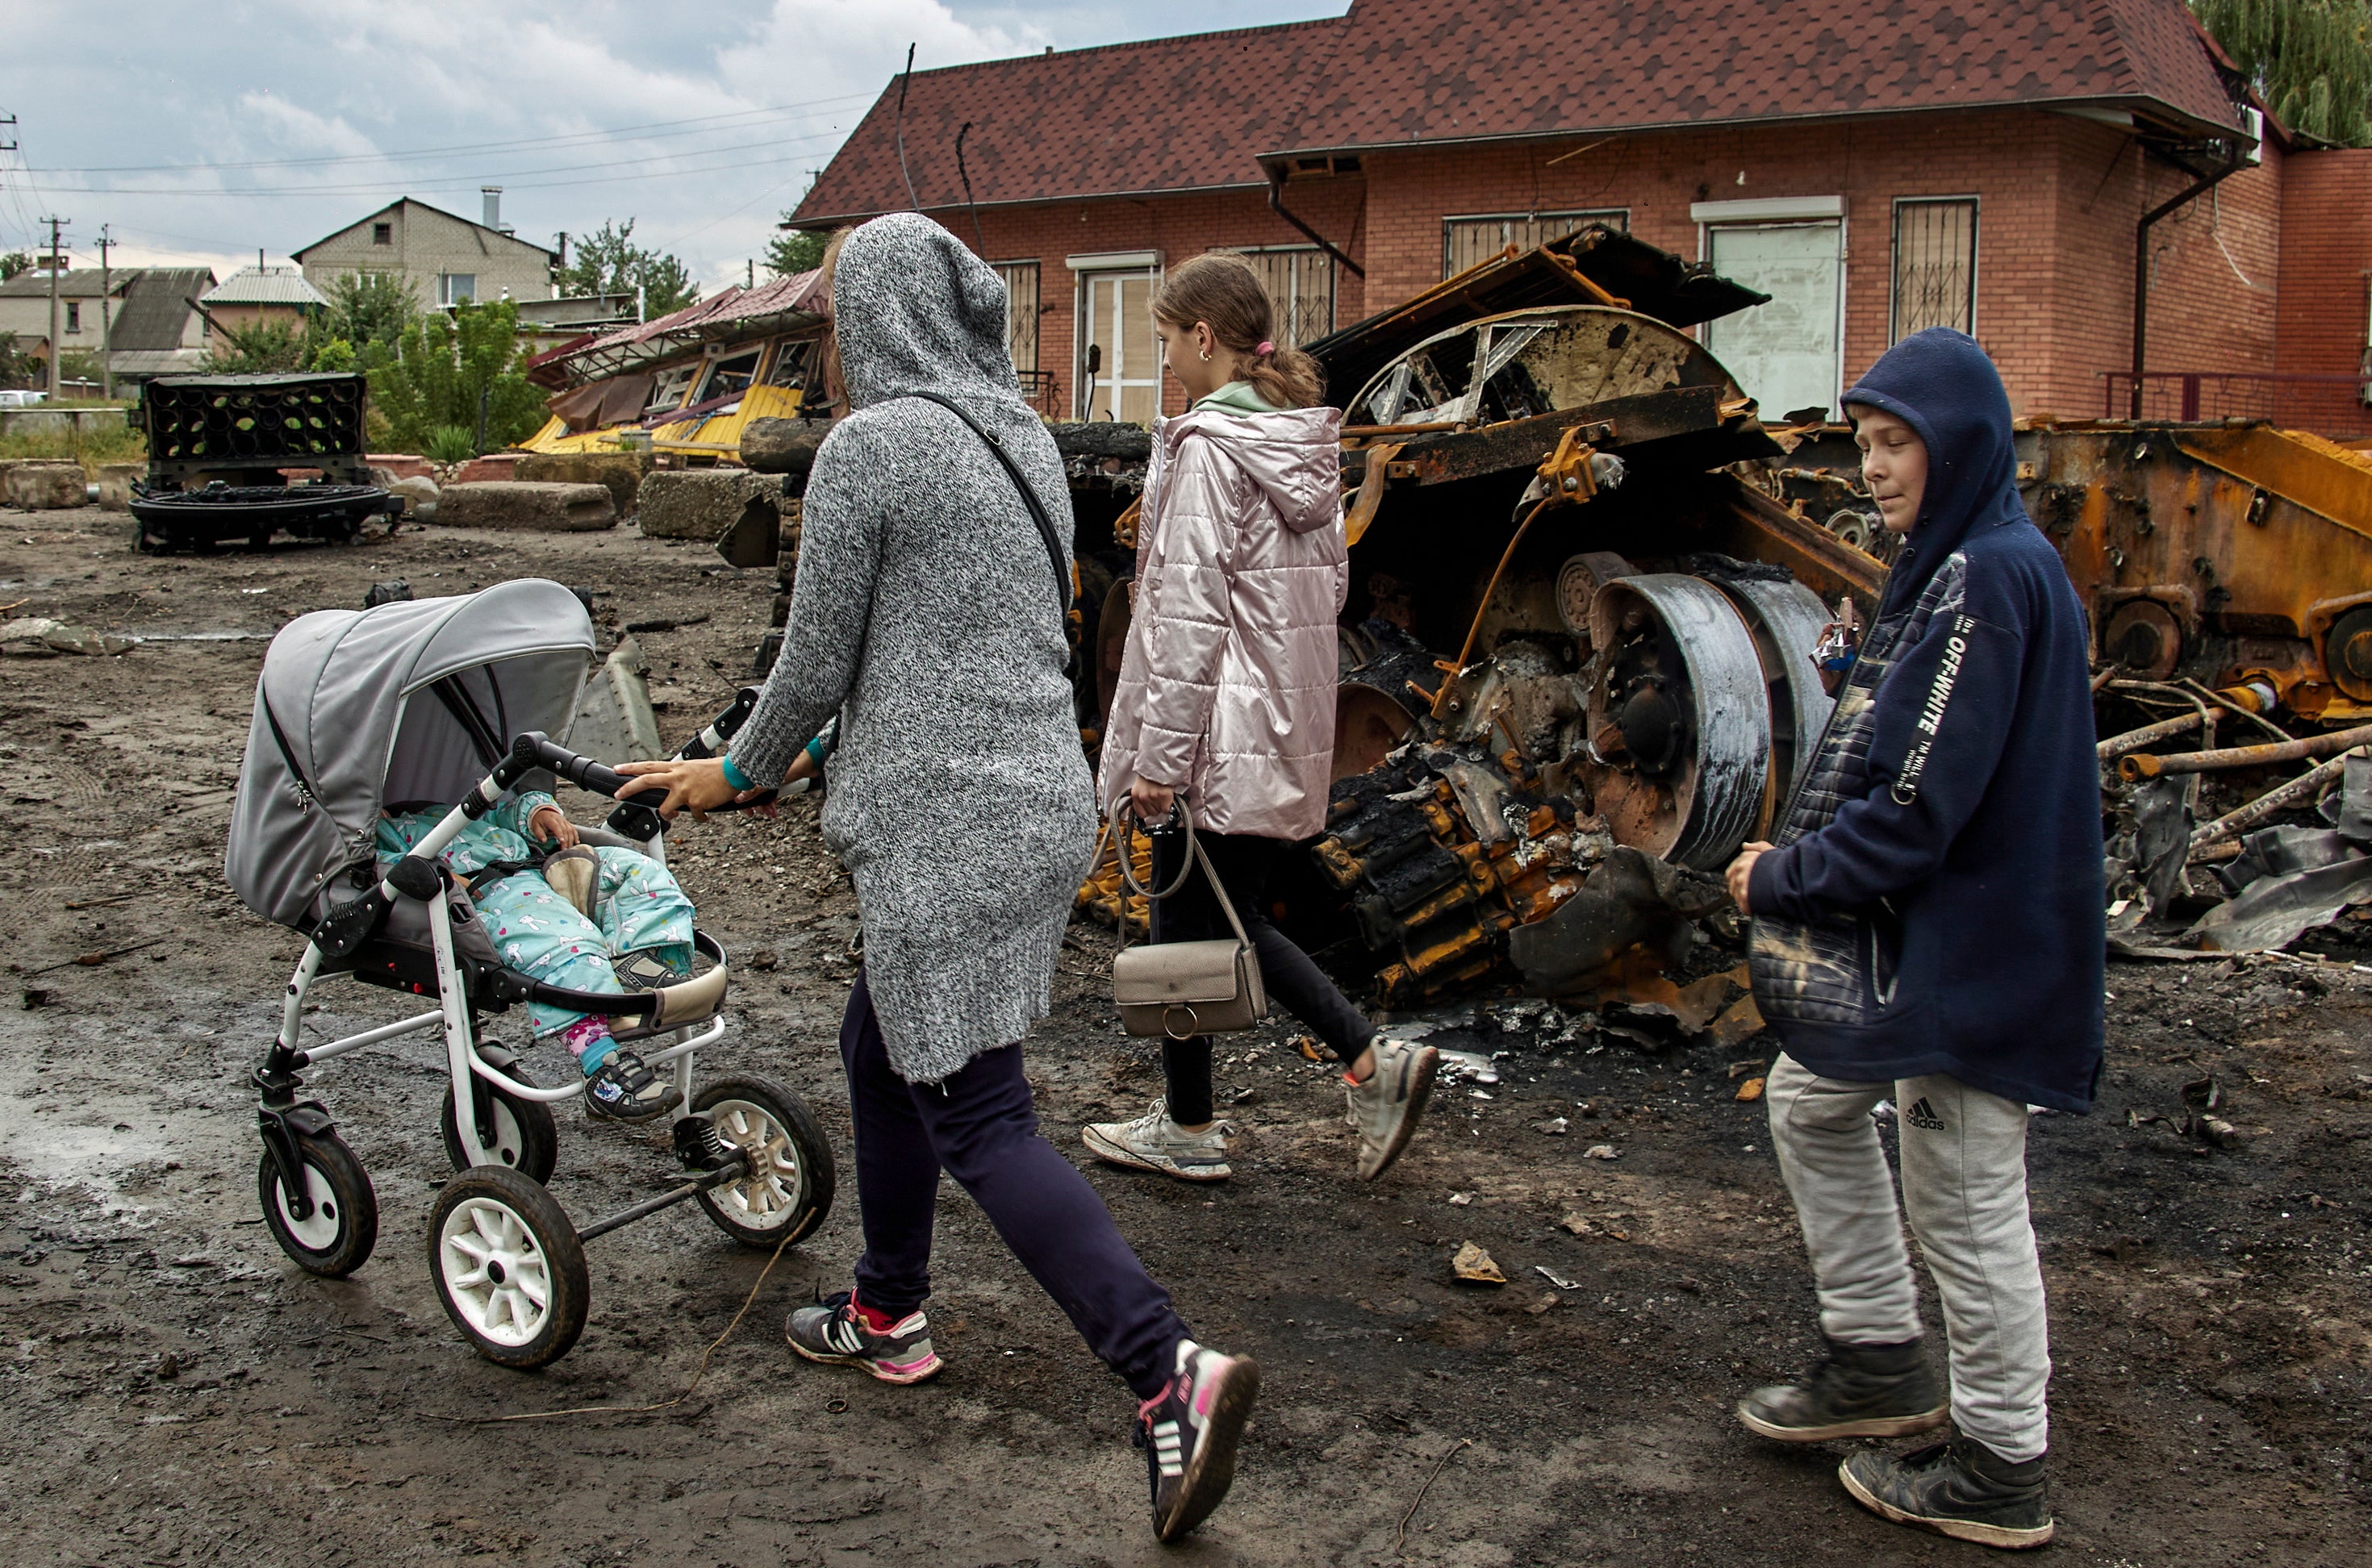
(840, 1333)
(1188, 1432)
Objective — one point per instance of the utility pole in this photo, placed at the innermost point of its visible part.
(58, 264)
(750, 273)
(105, 323)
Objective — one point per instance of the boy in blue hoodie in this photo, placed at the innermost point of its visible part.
(1928, 929)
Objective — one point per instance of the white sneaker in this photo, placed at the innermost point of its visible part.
(1387, 1106)
(1153, 1141)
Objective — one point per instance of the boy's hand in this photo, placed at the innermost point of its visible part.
(550, 825)
(1741, 870)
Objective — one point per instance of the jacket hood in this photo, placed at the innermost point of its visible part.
(1942, 384)
(914, 310)
(1294, 454)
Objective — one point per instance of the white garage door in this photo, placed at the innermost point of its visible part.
(1785, 353)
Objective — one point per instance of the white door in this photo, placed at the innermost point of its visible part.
(1786, 355)
(1116, 322)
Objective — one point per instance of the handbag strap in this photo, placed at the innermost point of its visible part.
(1195, 857)
(1054, 555)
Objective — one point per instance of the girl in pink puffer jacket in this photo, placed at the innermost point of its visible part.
(1226, 703)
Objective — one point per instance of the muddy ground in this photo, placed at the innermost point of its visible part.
(176, 1391)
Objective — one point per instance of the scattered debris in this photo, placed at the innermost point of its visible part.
(37, 996)
(92, 960)
(1555, 1127)
(1461, 1200)
(1601, 1152)
(1750, 1090)
(1457, 1064)
(1474, 1266)
(38, 636)
(1548, 1299)
(676, 625)
(1553, 1278)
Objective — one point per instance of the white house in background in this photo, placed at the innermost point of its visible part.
(445, 259)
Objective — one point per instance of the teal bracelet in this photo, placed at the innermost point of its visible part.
(734, 775)
(815, 750)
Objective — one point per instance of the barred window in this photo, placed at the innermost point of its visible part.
(1300, 283)
(1934, 265)
(1020, 312)
(1471, 241)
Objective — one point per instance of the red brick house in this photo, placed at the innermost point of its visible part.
(1875, 168)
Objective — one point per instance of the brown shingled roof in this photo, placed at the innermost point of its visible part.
(1168, 114)
(1189, 114)
(1410, 71)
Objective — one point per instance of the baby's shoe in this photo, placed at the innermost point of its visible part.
(575, 875)
(622, 1089)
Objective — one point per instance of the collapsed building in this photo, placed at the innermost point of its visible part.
(690, 382)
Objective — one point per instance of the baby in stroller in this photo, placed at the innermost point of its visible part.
(570, 914)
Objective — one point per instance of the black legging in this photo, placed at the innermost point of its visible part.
(1245, 865)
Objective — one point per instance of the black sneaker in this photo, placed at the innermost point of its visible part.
(1188, 1432)
(1852, 1391)
(625, 1090)
(834, 1332)
(1958, 1488)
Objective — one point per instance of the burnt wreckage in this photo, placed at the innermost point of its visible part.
(1591, 592)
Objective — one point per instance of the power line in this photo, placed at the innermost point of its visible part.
(785, 110)
(431, 188)
(508, 176)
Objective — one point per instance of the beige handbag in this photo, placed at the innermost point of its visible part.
(1182, 989)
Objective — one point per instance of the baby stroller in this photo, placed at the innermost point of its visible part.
(448, 699)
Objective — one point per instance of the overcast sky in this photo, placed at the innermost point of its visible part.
(200, 133)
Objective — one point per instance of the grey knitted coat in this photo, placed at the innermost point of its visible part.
(927, 615)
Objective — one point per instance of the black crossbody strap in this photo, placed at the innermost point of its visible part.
(1054, 555)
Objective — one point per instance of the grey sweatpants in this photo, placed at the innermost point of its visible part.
(1964, 1184)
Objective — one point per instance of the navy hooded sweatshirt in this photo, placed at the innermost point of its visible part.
(1934, 904)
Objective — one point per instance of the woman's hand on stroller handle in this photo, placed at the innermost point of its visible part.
(1151, 801)
(696, 784)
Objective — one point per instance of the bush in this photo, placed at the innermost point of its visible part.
(450, 444)
(464, 370)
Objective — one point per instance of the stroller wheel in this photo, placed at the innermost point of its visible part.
(789, 1189)
(333, 1240)
(508, 1267)
(524, 1138)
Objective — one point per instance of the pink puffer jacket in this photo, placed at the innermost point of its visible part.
(1226, 689)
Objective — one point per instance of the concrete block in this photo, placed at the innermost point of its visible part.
(783, 445)
(613, 721)
(420, 494)
(45, 486)
(622, 472)
(705, 504)
(534, 508)
(115, 482)
(493, 465)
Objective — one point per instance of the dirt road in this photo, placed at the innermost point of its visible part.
(177, 1392)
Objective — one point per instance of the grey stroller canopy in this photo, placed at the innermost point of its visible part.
(338, 736)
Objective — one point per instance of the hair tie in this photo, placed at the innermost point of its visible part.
(1265, 347)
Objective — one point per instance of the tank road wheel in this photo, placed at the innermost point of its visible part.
(789, 1189)
(335, 1238)
(508, 1267)
(524, 1138)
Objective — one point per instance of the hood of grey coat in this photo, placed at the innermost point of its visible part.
(1294, 454)
(916, 312)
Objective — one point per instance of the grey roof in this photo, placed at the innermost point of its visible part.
(263, 286)
(157, 306)
(153, 362)
(440, 212)
(74, 282)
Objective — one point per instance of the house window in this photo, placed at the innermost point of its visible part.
(382, 234)
(791, 365)
(1021, 313)
(668, 387)
(1787, 352)
(1300, 283)
(729, 376)
(1471, 241)
(74, 316)
(455, 288)
(1117, 375)
(1934, 265)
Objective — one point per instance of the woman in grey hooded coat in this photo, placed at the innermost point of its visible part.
(928, 615)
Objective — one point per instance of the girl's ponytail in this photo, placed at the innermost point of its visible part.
(1220, 289)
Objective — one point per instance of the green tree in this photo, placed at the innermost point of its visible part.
(444, 370)
(12, 263)
(17, 369)
(2310, 60)
(608, 262)
(255, 349)
(794, 251)
(365, 309)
